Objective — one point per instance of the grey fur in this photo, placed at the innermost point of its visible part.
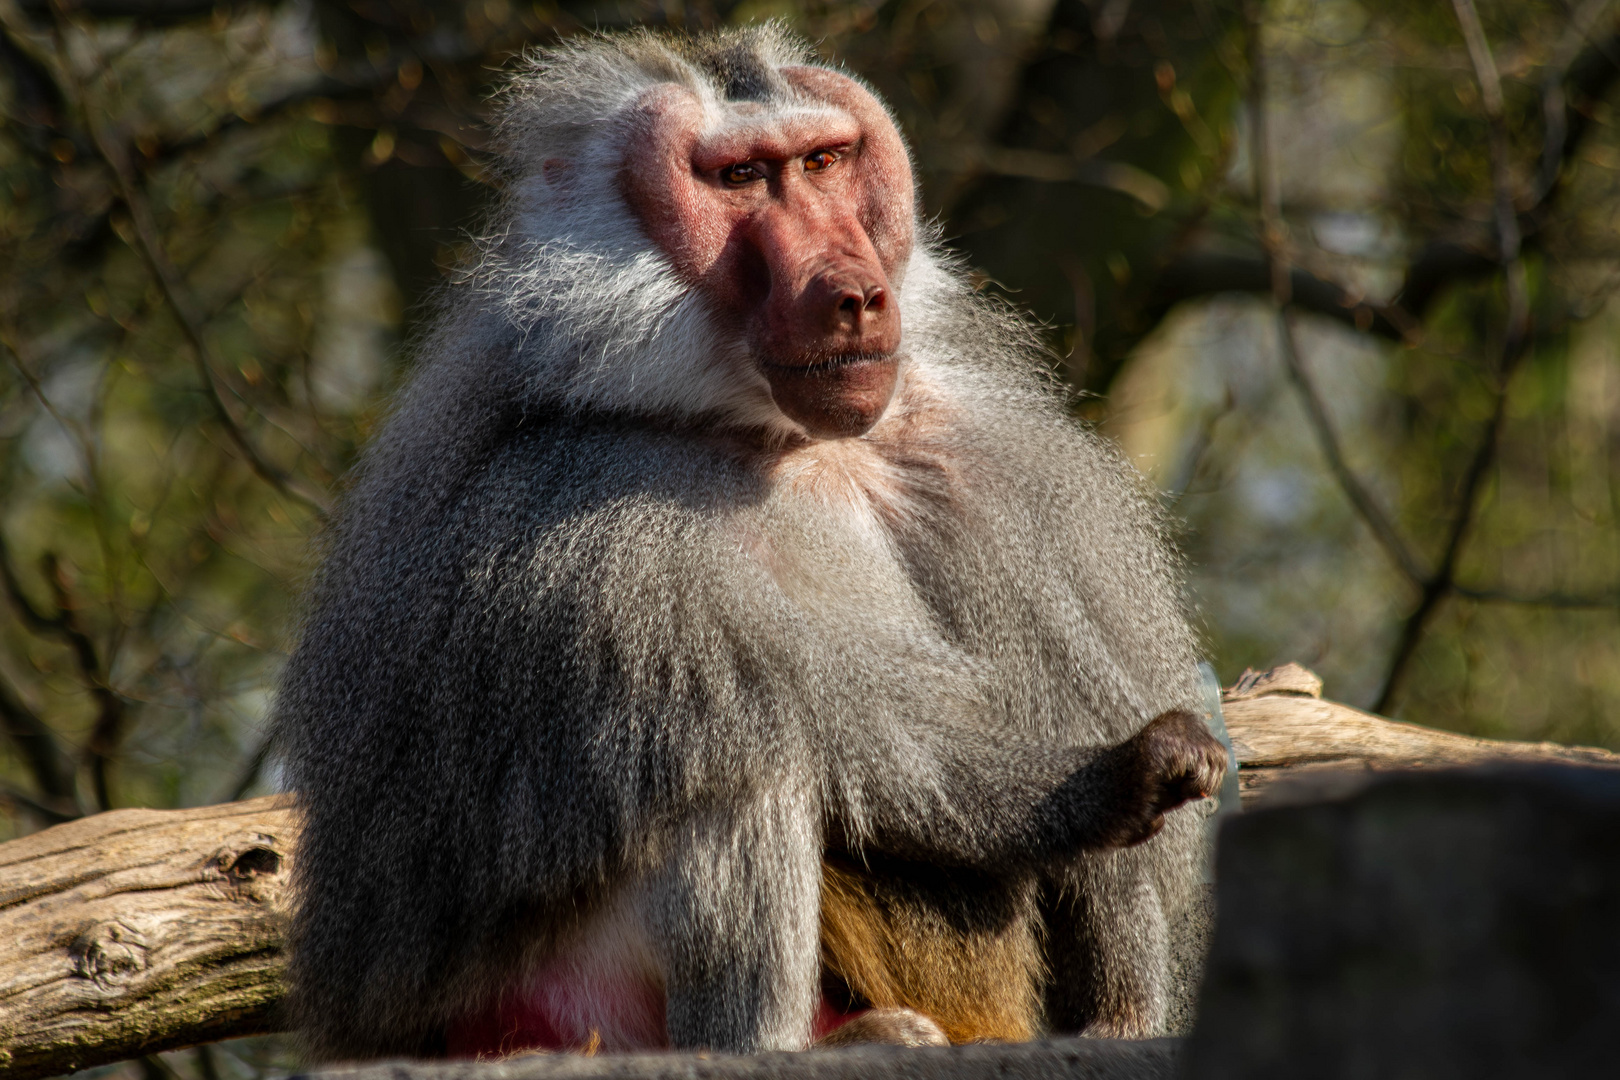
(569, 635)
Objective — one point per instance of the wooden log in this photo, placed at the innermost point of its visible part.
(1281, 727)
(138, 931)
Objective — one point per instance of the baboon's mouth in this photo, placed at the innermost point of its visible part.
(824, 364)
(837, 396)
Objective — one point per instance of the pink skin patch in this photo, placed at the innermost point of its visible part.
(829, 1018)
(602, 989)
(560, 1015)
(564, 1010)
(742, 244)
(795, 223)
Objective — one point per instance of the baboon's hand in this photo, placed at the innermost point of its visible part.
(1175, 759)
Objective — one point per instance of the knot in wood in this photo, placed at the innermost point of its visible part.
(249, 864)
(109, 954)
(251, 867)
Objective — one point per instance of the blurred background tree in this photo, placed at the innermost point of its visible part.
(1339, 274)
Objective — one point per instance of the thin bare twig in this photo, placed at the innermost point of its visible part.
(1192, 464)
(1361, 497)
(36, 743)
(249, 774)
(1561, 600)
(108, 729)
(1274, 239)
(70, 427)
(31, 734)
(1515, 342)
(52, 812)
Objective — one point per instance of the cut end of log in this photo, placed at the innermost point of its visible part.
(1288, 679)
(1291, 743)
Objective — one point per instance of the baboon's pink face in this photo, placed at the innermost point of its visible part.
(795, 222)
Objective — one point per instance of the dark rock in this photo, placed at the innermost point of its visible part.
(1446, 924)
(1189, 945)
(1079, 1059)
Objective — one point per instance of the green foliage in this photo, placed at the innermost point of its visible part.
(1521, 643)
(129, 518)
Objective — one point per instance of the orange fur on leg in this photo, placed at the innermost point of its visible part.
(966, 957)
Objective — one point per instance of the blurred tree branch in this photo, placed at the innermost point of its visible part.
(1149, 192)
(152, 12)
(1562, 600)
(50, 772)
(48, 812)
(95, 673)
(1281, 277)
(1515, 344)
(1356, 491)
(34, 740)
(1200, 274)
(1467, 254)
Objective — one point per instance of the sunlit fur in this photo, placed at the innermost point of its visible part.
(608, 325)
(595, 632)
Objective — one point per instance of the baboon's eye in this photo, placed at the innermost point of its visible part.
(819, 160)
(744, 172)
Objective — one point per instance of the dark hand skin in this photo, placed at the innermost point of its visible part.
(1174, 760)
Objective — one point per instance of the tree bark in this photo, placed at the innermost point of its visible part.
(1281, 727)
(138, 931)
